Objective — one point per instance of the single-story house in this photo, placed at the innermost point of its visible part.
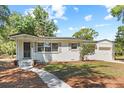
(51, 49)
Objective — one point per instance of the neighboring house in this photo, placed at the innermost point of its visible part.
(47, 49)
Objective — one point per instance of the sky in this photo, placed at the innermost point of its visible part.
(71, 18)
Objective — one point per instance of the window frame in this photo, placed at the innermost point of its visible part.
(57, 47)
(49, 47)
(76, 46)
(44, 47)
(40, 47)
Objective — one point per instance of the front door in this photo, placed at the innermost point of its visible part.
(27, 50)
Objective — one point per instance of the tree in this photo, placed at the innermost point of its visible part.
(6, 46)
(4, 14)
(86, 48)
(14, 20)
(44, 26)
(118, 11)
(119, 41)
(26, 25)
(86, 34)
(36, 23)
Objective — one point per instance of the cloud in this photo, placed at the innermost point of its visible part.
(76, 28)
(29, 11)
(108, 17)
(88, 18)
(83, 27)
(76, 9)
(101, 25)
(48, 9)
(73, 28)
(57, 32)
(108, 9)
(55, 21)
(59, 12)
(56, 11)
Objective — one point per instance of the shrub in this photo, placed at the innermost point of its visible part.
(8, 48)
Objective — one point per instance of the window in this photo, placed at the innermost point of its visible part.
(47, 47)
(54, 46)
(74, 46)
(104, 48)
(40, 47)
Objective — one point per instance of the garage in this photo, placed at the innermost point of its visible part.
(104, 51)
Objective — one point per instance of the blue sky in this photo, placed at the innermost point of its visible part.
(70, 18)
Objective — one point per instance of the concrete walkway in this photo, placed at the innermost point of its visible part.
(51, 80)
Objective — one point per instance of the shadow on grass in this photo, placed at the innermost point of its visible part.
(66, 71)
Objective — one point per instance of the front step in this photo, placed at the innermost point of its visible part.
(25, 63)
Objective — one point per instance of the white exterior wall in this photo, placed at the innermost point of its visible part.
(64, 54)
(106, 55)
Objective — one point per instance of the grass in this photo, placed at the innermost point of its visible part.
(119, 57)
(86, 69)
(89, 74)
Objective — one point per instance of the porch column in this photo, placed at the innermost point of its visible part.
(32, 50)
(19, 49)
(17, 58)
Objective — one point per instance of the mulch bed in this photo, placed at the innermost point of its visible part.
(13, 77)
(95, 82)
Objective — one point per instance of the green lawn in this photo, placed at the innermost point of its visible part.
(86, 69)
(119, 57)
(89, 74)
